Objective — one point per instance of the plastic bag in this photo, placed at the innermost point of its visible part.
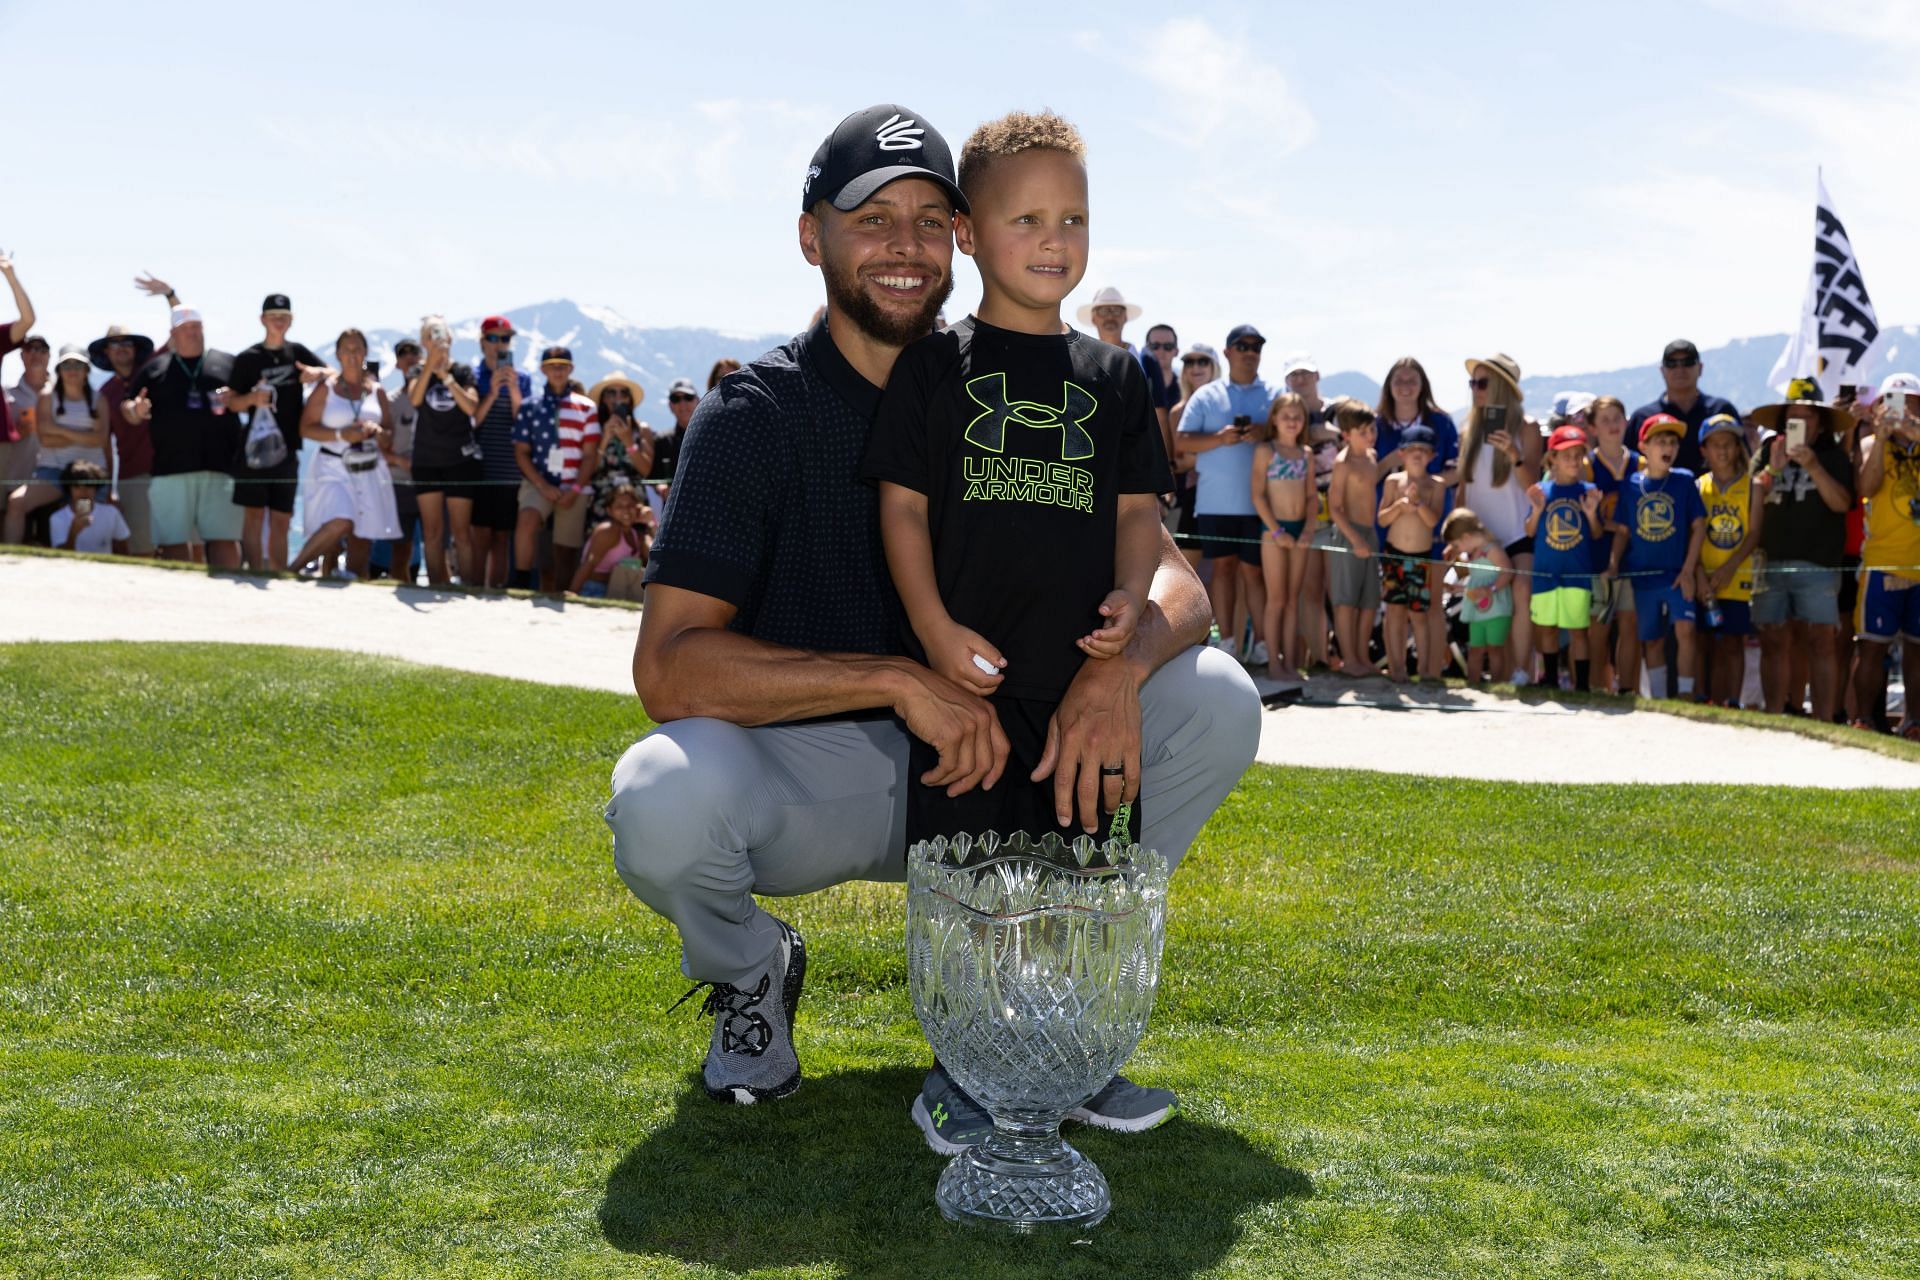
(266, 447)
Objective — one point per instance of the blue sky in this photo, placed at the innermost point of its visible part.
(1573, 185)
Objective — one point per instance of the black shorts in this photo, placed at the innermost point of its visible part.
(273, 488)
(1183, 502)
(496, 506)
(1016, 803)
(405, 504)
(1224, 537)
(1519, 547)
(461, 480)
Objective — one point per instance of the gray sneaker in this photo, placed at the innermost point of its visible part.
(950, 1119)
(752, 1057)
(1126, 1107)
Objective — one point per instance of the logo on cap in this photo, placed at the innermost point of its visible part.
(898, 135)
(806, 185)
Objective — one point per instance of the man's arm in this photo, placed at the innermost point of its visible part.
(1098, 721)
(19, 329)
(688, 663)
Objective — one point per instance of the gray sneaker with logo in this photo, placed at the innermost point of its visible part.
(752, 1058)
(952, 1121)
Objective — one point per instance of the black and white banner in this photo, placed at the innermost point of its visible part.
(1838, 338)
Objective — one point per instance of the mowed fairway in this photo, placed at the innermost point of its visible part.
(318, 965)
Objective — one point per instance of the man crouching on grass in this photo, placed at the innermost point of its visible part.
(769, 651)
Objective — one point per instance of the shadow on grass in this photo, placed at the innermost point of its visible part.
(837, 1174)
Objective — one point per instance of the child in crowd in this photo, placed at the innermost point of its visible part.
(1563, 523)
(1733, 506)
(84, 522)
(1615, 659)
(1284, 499)
(1410, 505)
(1353, 585)
(1660, 525)
(1486, 598)
(614, 556)
(1888, 609)
(1019, 464)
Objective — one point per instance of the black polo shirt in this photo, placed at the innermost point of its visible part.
(187, 434)
(1704, 407)
(768, 511)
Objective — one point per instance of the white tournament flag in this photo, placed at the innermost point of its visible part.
(1837, 338)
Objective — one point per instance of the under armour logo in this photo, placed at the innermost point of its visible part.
(939, 1114)
(813, 171)
(989, 430)
(898, 135)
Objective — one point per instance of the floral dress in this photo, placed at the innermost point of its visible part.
(617, 467)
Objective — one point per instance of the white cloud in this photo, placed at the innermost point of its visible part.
(1208, 80)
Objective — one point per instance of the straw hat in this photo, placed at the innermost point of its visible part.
(1110, 297)
(612, 380)
(1501, 363)
(1801, 393)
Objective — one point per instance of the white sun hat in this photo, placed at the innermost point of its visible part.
(1110, 297)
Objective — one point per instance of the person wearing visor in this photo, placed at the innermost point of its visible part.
(770, 651)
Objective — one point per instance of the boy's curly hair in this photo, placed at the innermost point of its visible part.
(1011, 134)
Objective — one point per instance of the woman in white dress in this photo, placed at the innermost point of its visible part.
(350, 493)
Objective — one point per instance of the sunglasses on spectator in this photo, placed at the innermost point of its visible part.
(1682, 363)
(1163, 346)
(682, 398)
(1479, 384)
(1196, 359)
(498, 337)
(1248, 348)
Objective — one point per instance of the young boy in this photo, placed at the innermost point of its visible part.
(1661, 525)
(1352, 584)
(1724, 584)
(1410, 503)
(1563, 523)
(1018, 463)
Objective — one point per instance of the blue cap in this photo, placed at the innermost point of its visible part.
(1419, 433)
(1244, 332)
(1720, 422)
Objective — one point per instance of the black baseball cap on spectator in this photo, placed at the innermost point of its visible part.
(556, 355)
(1679, 349)
(406, 346)
(1245, 333)
(276, 302)
(873, 147)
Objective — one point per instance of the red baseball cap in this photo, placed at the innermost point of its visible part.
(1662, 424)
(496, 324)
(1568, 437)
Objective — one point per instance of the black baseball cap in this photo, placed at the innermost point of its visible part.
(1680, 349)
(276, 302)
(1245, 333)
(873, 147)
(553, 354)
(404, 346)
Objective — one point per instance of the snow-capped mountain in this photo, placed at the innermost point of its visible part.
(602, 342)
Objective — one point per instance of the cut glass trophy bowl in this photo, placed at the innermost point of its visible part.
(1032, 966)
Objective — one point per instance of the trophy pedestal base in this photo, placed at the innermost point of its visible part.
(1053, 1188)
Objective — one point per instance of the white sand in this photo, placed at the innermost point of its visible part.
(1365, 725)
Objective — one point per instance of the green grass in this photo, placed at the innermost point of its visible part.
(317, 965)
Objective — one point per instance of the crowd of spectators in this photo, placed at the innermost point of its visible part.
(1596, 549)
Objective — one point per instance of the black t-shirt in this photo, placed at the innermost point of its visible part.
(276, 366)
(442, 431)
(187, 435)
(1704, 407)
(768, 511)
(1023, 444)
(666, 456)
(1797, 524)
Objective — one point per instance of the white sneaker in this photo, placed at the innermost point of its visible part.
(1520, 680)
(1223, 644)
(1259, 657)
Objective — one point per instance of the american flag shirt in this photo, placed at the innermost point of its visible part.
(556, 426)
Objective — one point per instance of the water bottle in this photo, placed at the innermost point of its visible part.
(1715, 618)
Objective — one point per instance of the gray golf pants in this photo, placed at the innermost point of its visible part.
(705, 813)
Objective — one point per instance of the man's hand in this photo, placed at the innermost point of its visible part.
(550, 493)
(150, 283)
(958, 725)
(951, 649)
(313, 373)
(1097, 725)
(1122, 614)
(137, 410)
(567, 498)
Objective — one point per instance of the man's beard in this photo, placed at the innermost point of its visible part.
(846, 298)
